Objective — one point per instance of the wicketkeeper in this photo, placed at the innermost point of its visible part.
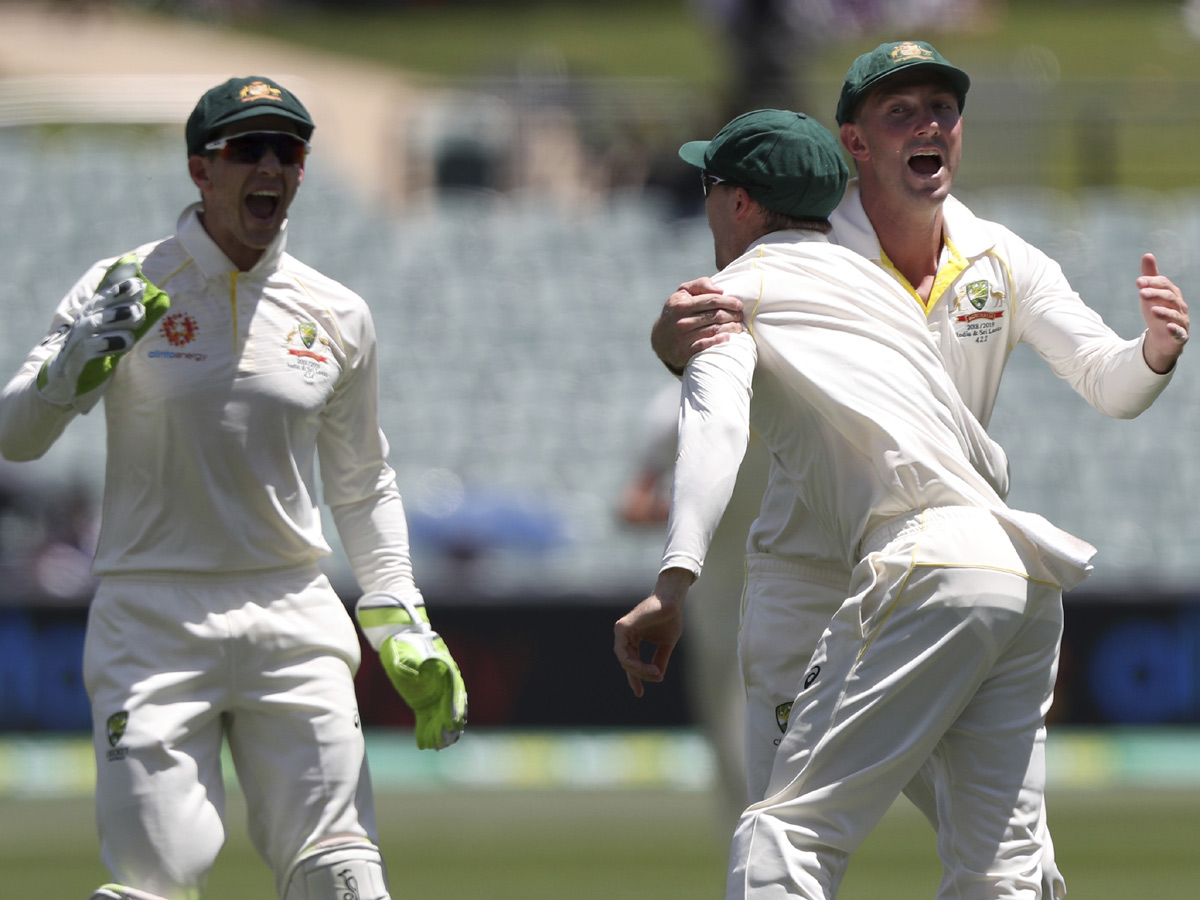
(227, 369)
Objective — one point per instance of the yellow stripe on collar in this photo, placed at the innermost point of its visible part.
(947, 274)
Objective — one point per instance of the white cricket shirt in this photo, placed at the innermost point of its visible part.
(993, 290)
(841, 377)
(217, 417)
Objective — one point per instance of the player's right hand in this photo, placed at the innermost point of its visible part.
(694, 318)
(107, 326)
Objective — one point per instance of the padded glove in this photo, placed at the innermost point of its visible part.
(419, 665)
(124, 307)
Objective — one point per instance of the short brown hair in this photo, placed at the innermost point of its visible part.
(777, 221)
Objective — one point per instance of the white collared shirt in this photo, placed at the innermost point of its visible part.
(843, 381)
(994, 290)
(217, 416)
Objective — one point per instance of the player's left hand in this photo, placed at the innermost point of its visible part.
(657, 619)
(1166, 315)
(419, 665)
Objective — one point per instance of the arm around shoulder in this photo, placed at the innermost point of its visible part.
(697, 316)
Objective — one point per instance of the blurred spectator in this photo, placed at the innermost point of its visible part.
(773, 42)
(47, 539)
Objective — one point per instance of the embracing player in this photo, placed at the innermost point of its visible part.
(981, 289)
(942, 654)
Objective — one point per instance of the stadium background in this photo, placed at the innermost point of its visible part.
(498, 180)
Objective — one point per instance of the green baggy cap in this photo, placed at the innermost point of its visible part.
(787, 161)
(885, 61)
(242, 98)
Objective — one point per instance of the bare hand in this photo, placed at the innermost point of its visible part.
(1166, 315)
(694, 318)
(657, 619)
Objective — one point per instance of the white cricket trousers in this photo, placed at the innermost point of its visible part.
(787, 605)
(941, 663)
(175, 664)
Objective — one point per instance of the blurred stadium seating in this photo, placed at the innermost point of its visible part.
(516, 363)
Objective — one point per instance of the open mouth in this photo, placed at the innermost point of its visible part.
(262, 204)
(927, 162)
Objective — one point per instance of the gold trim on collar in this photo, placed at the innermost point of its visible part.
(947, 274)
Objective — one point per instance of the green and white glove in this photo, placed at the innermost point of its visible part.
(124, 307)
(418, 664)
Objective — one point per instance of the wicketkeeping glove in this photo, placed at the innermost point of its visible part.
(124, 307)
(418, 664)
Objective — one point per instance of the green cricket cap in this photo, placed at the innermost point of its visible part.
(888, 59)
(242, 98)
(786, 161)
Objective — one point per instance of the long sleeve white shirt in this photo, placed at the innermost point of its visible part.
(993, 290)
(840, 376)
(217, 417)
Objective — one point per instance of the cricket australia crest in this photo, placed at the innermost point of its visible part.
(257, 90)
(977, 293)
(306, 346)
(782, 713)
(978, 311)
(115, 726)
(909, 50)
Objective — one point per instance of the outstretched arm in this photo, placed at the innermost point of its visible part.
(1117, 377)
(694, 318)
(1166, 315)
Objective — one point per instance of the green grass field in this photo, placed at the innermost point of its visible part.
(538, 845)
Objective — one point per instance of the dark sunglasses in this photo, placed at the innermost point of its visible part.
(250, 147)
(707, 180)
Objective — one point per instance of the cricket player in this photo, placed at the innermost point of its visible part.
(946, 648)
(227, 369)
(981, 290)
